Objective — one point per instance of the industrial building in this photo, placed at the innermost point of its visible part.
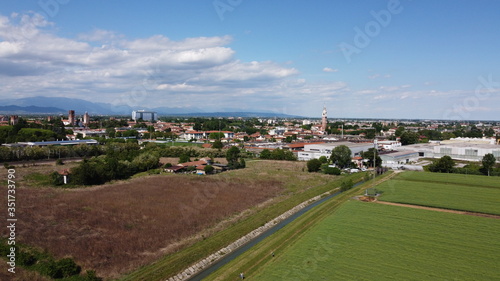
(398, 158)
(51, 143)
(315, 151)
(144, 115)
(469, 149)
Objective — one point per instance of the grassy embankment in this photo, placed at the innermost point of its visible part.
(295, 193)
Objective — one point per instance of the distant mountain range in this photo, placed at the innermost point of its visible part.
(53, 105)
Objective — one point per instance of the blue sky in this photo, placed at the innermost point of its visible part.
(362, 59)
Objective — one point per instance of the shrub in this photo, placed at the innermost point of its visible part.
(56, 179)
(184, 158)
(208, 169)
(346, 185)
(313, 165)
(26, 259)
(68, 267)
(332, 171)
(323, 159)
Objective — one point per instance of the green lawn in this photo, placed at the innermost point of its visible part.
(477, 194)
(366, 241)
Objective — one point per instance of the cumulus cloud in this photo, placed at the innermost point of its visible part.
(106, 66)
(328, 69)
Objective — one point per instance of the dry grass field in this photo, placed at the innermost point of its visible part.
(118, 227)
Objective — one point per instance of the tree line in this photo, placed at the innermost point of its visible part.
(446, 164)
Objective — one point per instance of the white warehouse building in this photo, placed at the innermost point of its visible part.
(315, 151)
(459, 149)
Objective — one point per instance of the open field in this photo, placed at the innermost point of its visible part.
(367, 241)
(119, 227)
(458, 179)
(35, 176)
(259, 255)
(299, 187)
(475, 194)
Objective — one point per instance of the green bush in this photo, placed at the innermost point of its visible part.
(68, 267)
(25, 258)
(313, 165)
(332, 171)
(346, 185)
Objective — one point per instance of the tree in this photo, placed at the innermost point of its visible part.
(488, 161)
(399, 131)
(409, 138)
(323, 159)
(265, 154)
(313, 165)
(341, 156)
(216, 136)
(442, 165)
(233, 158)
(368, 155)
(208, 169)
(217, 144)
(184, 158)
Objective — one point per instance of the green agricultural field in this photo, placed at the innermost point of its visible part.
(459, 179)
(477, 194)
(367, 241)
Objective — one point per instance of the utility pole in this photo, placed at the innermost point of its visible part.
(374, 160)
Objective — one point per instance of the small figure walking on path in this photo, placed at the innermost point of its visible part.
(242, 276)
(273, 254)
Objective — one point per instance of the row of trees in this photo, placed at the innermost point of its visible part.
(446, 164)
(341, 157)
(99, 170)
(278, 154)
(31, 131)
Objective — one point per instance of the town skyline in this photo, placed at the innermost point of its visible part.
(368, 59)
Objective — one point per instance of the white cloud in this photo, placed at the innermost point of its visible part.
(105, 66)
(328, 69)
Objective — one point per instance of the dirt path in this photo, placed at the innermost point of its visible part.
(439, 210)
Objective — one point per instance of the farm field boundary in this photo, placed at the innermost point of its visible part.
(439, 209)
(456, 179)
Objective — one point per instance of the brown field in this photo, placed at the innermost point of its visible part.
(20, 275)
(116, 228)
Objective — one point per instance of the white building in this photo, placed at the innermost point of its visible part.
(389, 145)
(469, 150)
(315, 151)
(204, 135)
(398, 158)
(144, 115)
